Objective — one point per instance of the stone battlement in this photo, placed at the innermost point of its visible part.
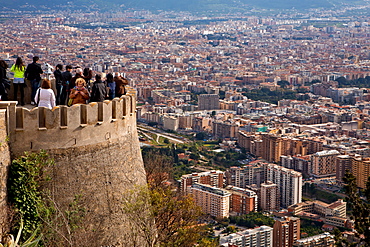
(96, 155)
(64, 127)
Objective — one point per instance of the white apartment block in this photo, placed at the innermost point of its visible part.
(257, 237)
(288, 181)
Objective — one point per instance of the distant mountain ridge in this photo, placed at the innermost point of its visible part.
(175, 5)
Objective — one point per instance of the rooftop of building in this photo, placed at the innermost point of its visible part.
(211, 189)
(315, 238)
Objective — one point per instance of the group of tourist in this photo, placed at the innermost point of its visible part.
(70, 89)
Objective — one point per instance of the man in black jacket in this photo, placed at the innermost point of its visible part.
(99, 90)
(67, 77)
(58, 81)
(33, 74)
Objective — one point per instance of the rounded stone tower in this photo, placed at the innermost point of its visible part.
(97, 160)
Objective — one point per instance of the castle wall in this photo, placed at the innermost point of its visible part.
(4, 166)
(97, 157)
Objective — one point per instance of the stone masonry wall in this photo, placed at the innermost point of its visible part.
(4, 166)
(97, 158)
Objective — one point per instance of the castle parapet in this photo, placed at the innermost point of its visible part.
(64, 127)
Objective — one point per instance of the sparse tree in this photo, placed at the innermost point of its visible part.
(158, 167)
(169, 219)
(361, 209)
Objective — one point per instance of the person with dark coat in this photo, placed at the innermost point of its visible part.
(99, 90)
(4, 86)
(112, 86)
(87, 74)
(79, 72)
(121, 82)
(33, 74)
(66, 79)
(58, 81)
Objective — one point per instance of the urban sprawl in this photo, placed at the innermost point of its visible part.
(293, 93)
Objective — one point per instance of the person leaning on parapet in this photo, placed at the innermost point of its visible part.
(33, 74)
(121, 82)
(99, 90)
(58, 81)
(4, 82)
(18, 68)
(45, 95)
(66, 78)
(79, 93)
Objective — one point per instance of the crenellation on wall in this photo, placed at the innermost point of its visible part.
(62, 126)
(106, 107)
(19, 118)
(126, 106)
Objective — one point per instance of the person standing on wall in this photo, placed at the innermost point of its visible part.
(79, 93)
(99, 90)
(18, 68)
(33, 74)
(88, 76)
(4, 81)
(112, 86)
(78, 74)
(45, 95)
(120, 85)
(58, 81)
(67, 77)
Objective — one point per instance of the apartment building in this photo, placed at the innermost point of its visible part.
(337, 208)
(272, 148)
(246, 175)
(322, 240)
(361, 170)
(213, 201)
(323, 163)
(170, 122)
(333, 214)
(288, 181)
(208, 102)
(300, 163)
(286, 231)
(185, 121)
(242, 201)
(257, 237)
(223, 129)
(213, 178)
(270, 199)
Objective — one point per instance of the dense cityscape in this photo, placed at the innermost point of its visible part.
(259, 115)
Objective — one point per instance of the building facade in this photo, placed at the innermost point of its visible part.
(323, 163)
(269, 196)
(242, 201)
(213, 201)
(209, 102)
(286, 231)
(257, 237)
(288, 181)
(213, 178)
(322, 240)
